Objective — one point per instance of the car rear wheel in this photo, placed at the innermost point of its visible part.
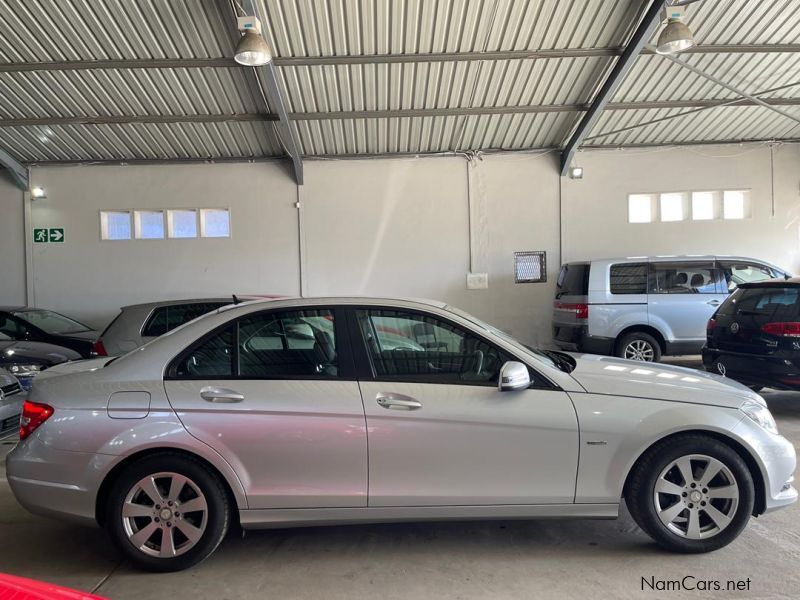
(167, 512)
(639, 346)
(691, 494)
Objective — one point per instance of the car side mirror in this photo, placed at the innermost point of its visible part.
(513, 376)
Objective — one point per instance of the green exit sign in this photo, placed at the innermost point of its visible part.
(48, 235)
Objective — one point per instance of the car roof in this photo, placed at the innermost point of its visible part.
(332, 300)
(670, 258)
(223, 299)
(772, 283)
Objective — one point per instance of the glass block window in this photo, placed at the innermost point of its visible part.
(182, 223)
(215, 222)
(530, 267)
(115, 225)
(149, 224)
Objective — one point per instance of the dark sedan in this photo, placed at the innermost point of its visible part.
(25, 359)
(39, 325)
(754, 337)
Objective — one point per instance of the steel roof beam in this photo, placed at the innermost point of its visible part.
(18, 172)
(283, 126)
(393, 114)
(432, 57)
(644, 31)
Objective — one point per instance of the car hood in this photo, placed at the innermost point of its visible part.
(40, 352)
(608, 375)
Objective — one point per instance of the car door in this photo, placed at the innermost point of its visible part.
(274, 393)
(682, 297)
(440, 431)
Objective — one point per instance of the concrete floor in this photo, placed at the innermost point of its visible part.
(534, 559)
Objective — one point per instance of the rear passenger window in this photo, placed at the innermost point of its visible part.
(167, 318)
(290, 344)
(685, 278)
(211, 359)
(630, 278)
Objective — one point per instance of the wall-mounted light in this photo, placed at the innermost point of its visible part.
(676, 36)
(38, 192)
(576, 172)
(252, 49)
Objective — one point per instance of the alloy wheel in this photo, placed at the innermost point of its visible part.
(696, 496)
(164, 514)
(639, 350)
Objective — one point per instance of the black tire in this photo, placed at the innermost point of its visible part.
(217, 518)
(638, 336)
(640, 491)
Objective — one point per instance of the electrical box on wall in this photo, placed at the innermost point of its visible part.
(477, 281)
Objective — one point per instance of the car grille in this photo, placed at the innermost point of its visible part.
(8, 425)
(11, 389)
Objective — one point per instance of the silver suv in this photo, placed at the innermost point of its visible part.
(641, 308)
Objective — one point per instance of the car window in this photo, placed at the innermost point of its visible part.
(167, 318)
(629, 278)
(212, 358)
(573, 280)
(737, 273)
(12, 328)
(292, 344)
(777, 304)
(407, 346)
(685, 278)
(51, 322)
(288, 344)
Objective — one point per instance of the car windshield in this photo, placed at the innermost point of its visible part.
(51, 322)
(551, 359)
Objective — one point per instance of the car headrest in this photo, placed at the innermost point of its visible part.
(698, 280)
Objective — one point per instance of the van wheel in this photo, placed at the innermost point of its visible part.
(639, 346)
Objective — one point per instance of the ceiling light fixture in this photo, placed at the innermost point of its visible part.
(676, 36)
(38, 192)
(576, 172)
(252, 49)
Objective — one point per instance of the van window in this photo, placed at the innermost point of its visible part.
(739, 272)
(629, 278)
(573, 280)
(685, 278)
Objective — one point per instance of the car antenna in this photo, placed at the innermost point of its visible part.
(235, 299)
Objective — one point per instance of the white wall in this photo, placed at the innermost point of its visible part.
(90, 279)
(12, 243)
(595, 207)
(409, 227)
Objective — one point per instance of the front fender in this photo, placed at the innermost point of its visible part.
(615, 431)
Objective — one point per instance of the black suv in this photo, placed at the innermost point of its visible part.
(754, 336)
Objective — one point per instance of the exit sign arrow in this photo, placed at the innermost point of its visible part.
(57, 234)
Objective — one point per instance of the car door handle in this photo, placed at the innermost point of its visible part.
(398, 402)
(220, 395)
(713, 302)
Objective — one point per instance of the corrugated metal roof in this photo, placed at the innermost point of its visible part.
(319, 31)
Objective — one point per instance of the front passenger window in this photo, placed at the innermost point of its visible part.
(414, 347)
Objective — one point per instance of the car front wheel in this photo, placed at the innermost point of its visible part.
(691, 494)
(167, 512)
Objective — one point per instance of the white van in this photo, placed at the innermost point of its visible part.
(644, 307)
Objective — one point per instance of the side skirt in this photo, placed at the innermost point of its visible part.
(304, 517)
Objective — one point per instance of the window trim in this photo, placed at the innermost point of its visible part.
(366, 369)
(346, 368)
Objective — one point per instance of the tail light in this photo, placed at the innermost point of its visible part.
(98, 349)
(581, 311)
(790, 329)
(712, 323)
(33, 415)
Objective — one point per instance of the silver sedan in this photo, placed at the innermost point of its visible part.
(346, 410)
